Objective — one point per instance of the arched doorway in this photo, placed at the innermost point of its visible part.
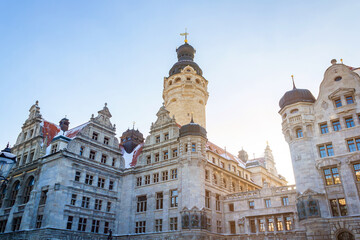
(345, 235)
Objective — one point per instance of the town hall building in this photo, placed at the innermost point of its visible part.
(85, 183)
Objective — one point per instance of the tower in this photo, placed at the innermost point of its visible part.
(185, 90)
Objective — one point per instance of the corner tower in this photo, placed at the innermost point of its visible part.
(185, 90)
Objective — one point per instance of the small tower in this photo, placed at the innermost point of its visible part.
(185, 90)
(130, 139)
(64, 124)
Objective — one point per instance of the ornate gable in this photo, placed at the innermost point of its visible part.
(163, 117)
(103, 118)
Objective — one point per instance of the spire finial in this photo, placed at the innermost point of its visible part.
(105, 104)
(292, 77)
(37, 102)
(267, 143)
(192, 118)
(185, 34)
(133, 124)
(341, 60)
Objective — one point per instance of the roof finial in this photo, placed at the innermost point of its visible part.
(267, 143)
(105, 104)
(133, 124)
(192, 118)
(37, 102)
(341, 60)
(292, 77)
(185, 34)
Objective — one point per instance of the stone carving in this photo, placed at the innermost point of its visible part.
(324, 105)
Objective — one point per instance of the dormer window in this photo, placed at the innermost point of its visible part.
(95, 136)
(338, 102)
(299, 133)
(349, 99)
(53, 148)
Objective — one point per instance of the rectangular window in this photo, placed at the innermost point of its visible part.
(98, 204)
(157, 139)
(336, 125)
(77, 176)
(285, 201)
(324, 128)
(218, 226)
(166, 136)
(252, 226)
(349, 100)
(106, 227)
(234, 169)
(157, 157)
(108, 206)
(174, 152)
(279, 224)
(338, 207)
(69, 222)
(95, 226)
(147, 179)
(231, 207)
(165, 175)
(156, 177)
(332, 176)
(16, 224)
(353, 144)
(357, 171)
(82, 149)
(141, 204)
(217, 202)
(53, 148)
(106, 140)
(174, 198)
(288, 223)
(270, 224)
(338, 102)
(232, 227)
(173, 224)
(207, 198)
(101, 182)
(261, 224)
(148, 159)
(89, 179)
(82, 224)
(92, 155)
(251, 205)
(73, 199)
(207, 175)
(31, 157)
(173, 173)
(103, 159)
(349, 122)
(267, 203)
(138, 181)
(166, 155)
(95, 136)
(43, 197)
(159, 200)
(113, 162)
(39, 219)
(140, 227)
(326, 150)
(85, 202)
(193, 147)
(158, 225)
(111, 185)
(222, 165)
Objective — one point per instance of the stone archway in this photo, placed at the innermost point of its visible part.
(345, 235)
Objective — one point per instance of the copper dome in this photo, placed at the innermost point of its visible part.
(185, 54)
(295, 96)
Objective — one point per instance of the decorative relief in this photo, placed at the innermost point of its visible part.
(324, 105)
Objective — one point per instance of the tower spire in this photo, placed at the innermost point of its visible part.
(292, 77)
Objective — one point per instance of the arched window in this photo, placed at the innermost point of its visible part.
(14, 192)
(215, 179)
(224, 183)
(2, 195)
(299, 133)
(177, 80)
(170, 83)
(345, 235)
(28, 188)
(197, 81)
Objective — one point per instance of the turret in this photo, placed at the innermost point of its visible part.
(185, 89)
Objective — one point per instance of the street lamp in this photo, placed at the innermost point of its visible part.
(7, 161)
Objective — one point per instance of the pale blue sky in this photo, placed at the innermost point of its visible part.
(73, 56)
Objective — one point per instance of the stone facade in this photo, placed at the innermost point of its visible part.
(80, 183)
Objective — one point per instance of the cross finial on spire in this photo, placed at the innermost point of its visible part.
(185, 34)
(292, 77)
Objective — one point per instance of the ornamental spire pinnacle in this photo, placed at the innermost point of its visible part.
(185, 34)
(292, 77)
